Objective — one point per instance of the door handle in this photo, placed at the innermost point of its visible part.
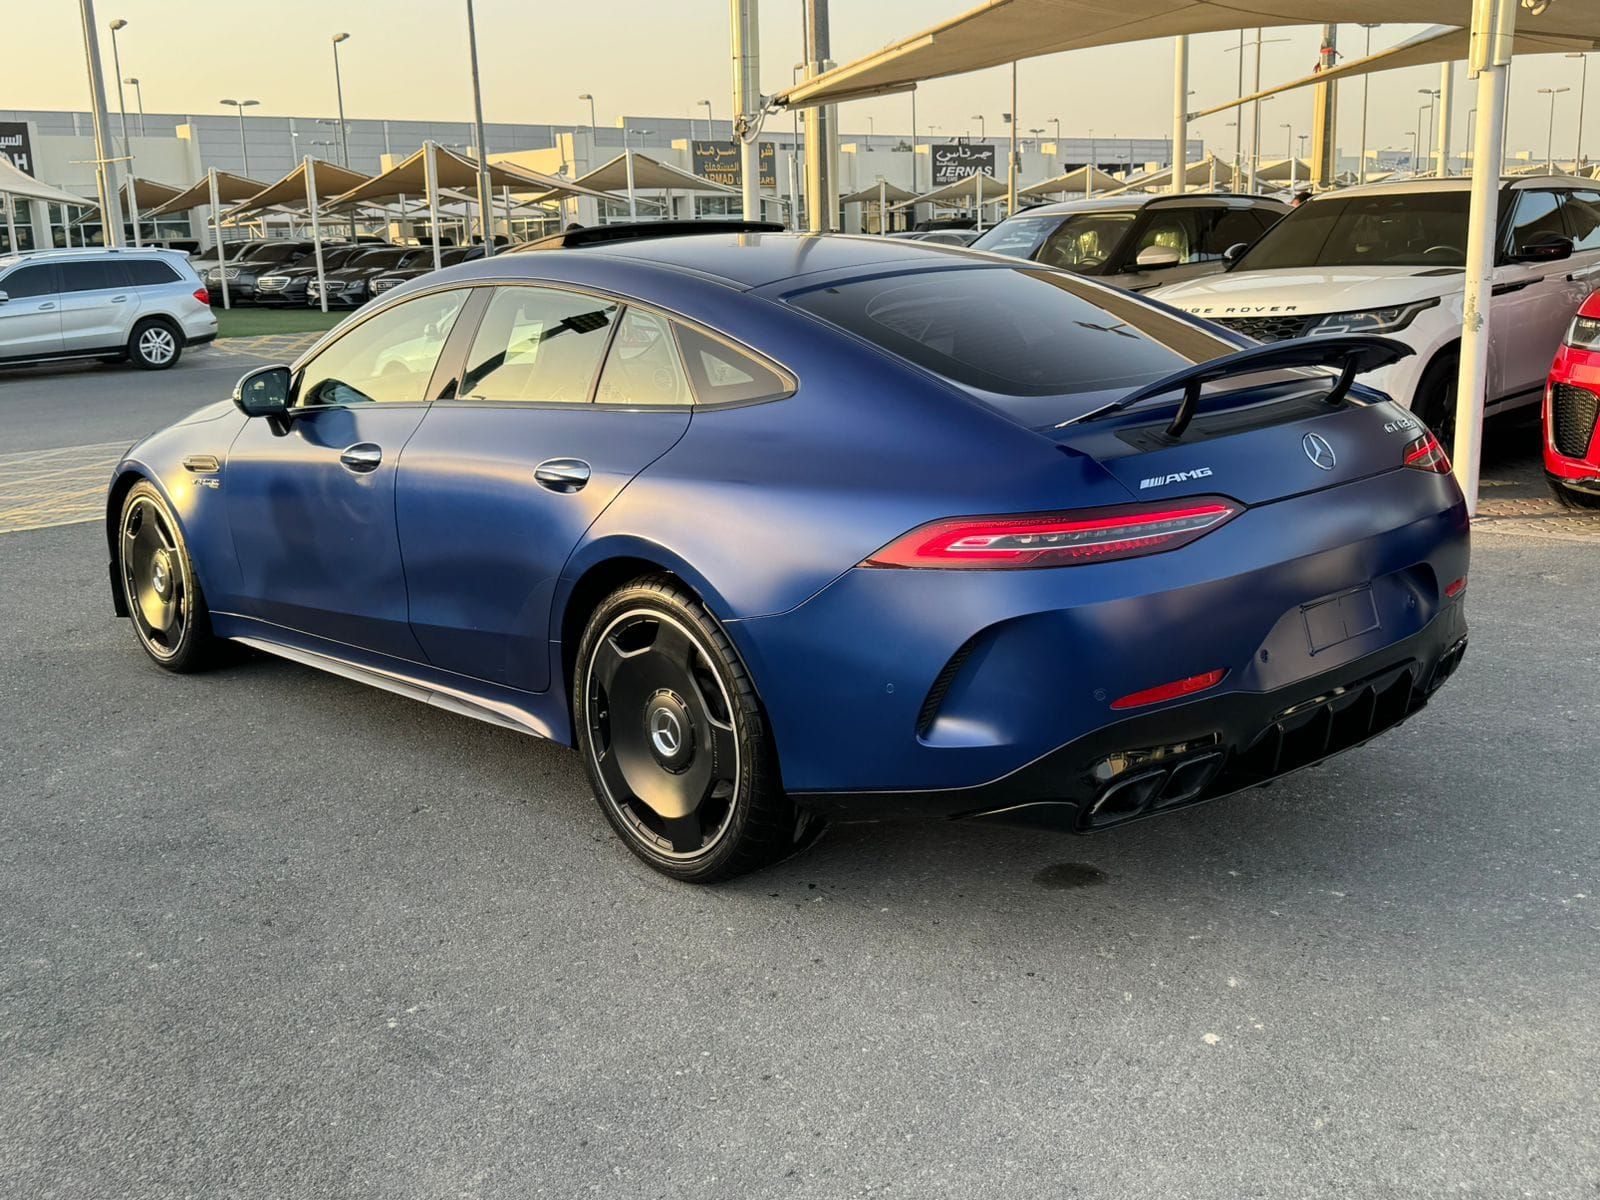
(47, 306)
(362, 457)
(562, 474)
(119, 299)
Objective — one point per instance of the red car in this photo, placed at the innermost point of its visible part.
(1571, 407)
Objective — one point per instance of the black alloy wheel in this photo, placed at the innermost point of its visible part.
(674, 740)
(1436, 400)
(158, 583)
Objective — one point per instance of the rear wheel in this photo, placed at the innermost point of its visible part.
(1571, 497)
(674, 740)
(158, 583)
(1436, 399)
(154, 344)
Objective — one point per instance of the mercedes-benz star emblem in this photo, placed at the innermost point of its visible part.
(664, 732)
(1319, 452)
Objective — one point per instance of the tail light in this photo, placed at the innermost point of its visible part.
(202, 295)
(1059, 539)
(1175, 690)
(1584, 333)
(1426, 454)
(1452, 590)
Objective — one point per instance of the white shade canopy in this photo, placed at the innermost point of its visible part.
(962, 191)
(19, 185)
(231, 189)
(290, 191)
(409, 178)
(1073, 182)
(872, 193)
(1195, 174)
(649, 174)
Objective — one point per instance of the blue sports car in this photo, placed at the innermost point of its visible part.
(781, 529)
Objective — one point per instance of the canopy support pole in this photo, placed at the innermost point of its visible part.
(430, 172)
(316, 228)
(883, 207)
(977, 197)
(1180, 115)
(485, 190)
(11, 223)
(1442, 136)
(1494, 24)
(216, 233)
(819, 118)
(1255, 119)
(1016, 158)
(747, 101)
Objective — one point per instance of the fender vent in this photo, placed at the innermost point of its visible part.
(1572, 419)
(941, 686)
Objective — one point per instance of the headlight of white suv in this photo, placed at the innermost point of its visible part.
(1371, 320)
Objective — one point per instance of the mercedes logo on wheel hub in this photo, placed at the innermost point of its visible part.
(668, 728)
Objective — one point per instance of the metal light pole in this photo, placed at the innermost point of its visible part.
(1366, 87)
(138, 95)
(1180, 115)
(594, 130)
(1421, 147)
(1583, 99)
(820, 134)
(746, 37)
(338, 88)
(983, 135)
(105, 167)
(1014, 167)
(627, 155)
(711, 131)
(485, 195)
(872, 128)
(1550, 135)
(240, 106)
(1432, 94)
(127, 149)
(1288, 152)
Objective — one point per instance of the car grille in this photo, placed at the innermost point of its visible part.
(1269, 329)
(332, 285)
(383, 285)
(271, 283)
(1572, 419)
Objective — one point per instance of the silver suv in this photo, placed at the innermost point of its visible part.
(141, 305)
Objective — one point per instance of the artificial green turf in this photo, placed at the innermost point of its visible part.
(252, 322)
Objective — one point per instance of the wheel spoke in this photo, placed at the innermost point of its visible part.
(685, 832)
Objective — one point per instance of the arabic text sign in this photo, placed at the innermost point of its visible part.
(16, 145)
(960, 160)
(719, 162)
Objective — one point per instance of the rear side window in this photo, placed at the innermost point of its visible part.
(723, 375)
(1016, 333)
(92, 276)
(147, 272)
(643, 366)
(1233, 225)
(538, 344)
(29, 281)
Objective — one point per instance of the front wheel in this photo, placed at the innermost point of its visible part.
(1572, 497)
(674, 740)
(159, 585)
(1435, 401)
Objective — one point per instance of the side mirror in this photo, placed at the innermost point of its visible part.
(1235, 252)
(264, 392)
(1157, 256)
(1547, 247)
(4, 297)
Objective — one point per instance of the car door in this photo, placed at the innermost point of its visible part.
(97, 304)
(30, 315)
(563, 400)
(311, 502)
(1533, 301)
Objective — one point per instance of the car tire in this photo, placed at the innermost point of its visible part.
(660, 704)
(155, 344)
(1435, 400)
(1571, 497)
(159, 584)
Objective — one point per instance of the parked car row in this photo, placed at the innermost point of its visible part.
(283, 271)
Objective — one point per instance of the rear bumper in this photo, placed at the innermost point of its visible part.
(1191, 753)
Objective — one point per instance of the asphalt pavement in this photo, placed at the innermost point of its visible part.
(267, 933)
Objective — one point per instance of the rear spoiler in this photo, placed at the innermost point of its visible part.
(1352, 354)
(627, 231)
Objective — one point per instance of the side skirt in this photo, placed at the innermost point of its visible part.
(437, 689)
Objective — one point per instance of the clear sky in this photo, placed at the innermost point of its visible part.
(408, 59)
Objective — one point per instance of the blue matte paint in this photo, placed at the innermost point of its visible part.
(450, 565)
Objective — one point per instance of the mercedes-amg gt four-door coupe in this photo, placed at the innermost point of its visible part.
(780, 529)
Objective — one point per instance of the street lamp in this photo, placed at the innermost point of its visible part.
(338, 87)
(871, 129)
(1366, 85)
(1550, 137)
(710, 130)
(138, 92)
(485, 195)
(1432, 94)
(1288, 148)
(627, 155)
(978, 117)
(1583, 99)
(240, 106)
(1056, 121)
(594, 130)
(116, 65)
(1422, 124)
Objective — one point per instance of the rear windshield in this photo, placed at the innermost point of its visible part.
(1416, 229)
(1017, 333)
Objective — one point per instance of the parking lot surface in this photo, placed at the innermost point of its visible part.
(267, 933)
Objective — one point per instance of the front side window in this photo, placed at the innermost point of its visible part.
(1583, 219)
(388, 358)
(1385, 229)
(1538, 218)
(26, 282)
(1085, 243)
(538, 344)
(643, 366)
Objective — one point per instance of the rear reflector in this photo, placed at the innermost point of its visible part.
(1425, 454)
(1057, 539)
(202, 295)
(1452, 590)
(1171, 691)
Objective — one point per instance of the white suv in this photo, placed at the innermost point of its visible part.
(142, 305)
(1389, 259)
